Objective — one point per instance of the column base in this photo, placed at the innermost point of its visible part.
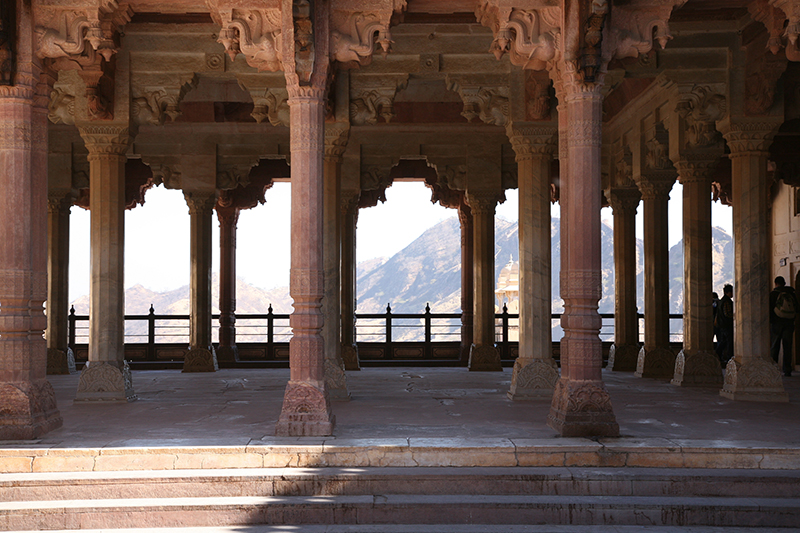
(484, 358)
(306, 412)
(582, 409)
(350, 357)
(200, 360)
(227, 355)
(335, 380)
(699, 368)
(60, 362)
(656, 362)
(756, 380)
(533, 379)
(29, 409)
(105, 381)
(623, 357)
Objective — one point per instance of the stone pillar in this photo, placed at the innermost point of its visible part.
(106, 376)
(306, 405)
(201, 356)
(581, 405)
(27, 399)
(335, 143)
(697, 364)
(751, 374)
(467, 280)
(227, 352)
(625, 350)
(483, 355)
(349, 210)
(60, 359)
(535, 371)
(656, 358)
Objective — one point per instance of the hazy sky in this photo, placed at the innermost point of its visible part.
(157, 234)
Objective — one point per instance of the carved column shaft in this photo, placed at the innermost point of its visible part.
(228, 219)
(306, 405)
(535, 373)
(751, 374)
(349, 211)
(467, 280)
(656, 358)
(624, 203)
(335, 144)
(483, 354)
(106, 378)
(27, 398)
(58, 361)
(581, 405)
(201, 356)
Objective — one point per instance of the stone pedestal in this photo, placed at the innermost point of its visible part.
(656, 358)
(104, 378)
(483, 356)
(697, 364)
(306, 407)
(227, 352)
(349, 350)
(535, 371)
(60, 359)
(27, 400)
(751, 374)
(201, 356)
(581, 405)
(336, 136)
(467, 280)
(625, 350)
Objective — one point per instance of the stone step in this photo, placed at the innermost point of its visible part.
(405, 509)
(438, 528)
(367, 481)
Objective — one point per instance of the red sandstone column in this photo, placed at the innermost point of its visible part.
(201, 356)
(60, 359)
(306, 405)
(656, 358)
(625, 351)
(228, 218)
(106, 376)
(349, 210)
(483, 355)
(336, 136)
(467, 285)
(751, 374)
(535, 371)
(581, 405)
(27, 399)
(697, 364)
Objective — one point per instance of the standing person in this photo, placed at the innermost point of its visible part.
(724, 322)
(782, 312)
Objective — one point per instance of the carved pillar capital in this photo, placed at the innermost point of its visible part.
(624, 199)
(103, 140)
(533, 141)
(227, 216)
(656, 184)
(694, 167)
(200, 202)
(484, 202)
(750, 136)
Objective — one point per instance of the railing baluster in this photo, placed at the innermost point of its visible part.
(71, 328)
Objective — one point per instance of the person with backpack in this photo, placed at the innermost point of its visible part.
(782, 313)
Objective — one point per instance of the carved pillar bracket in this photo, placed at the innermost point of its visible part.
(483, 354)
(201, 356)
(152, 103)
(269, 103)
(529, 37)
(372, 97)
(581, 405)
(255, 33)
(355, 33)
(751, 374)
(490, 104)
(782, 19)
(106, 376)
(625, 351)
(535, 371)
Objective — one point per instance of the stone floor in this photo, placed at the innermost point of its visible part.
(234, 407)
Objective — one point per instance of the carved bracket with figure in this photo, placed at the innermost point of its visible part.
(255, 33)
(152, 104)
(373, 96)
(529, 37)
(490, 104)
(355, 32)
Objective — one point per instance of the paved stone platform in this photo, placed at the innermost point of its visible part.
(403, 417)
